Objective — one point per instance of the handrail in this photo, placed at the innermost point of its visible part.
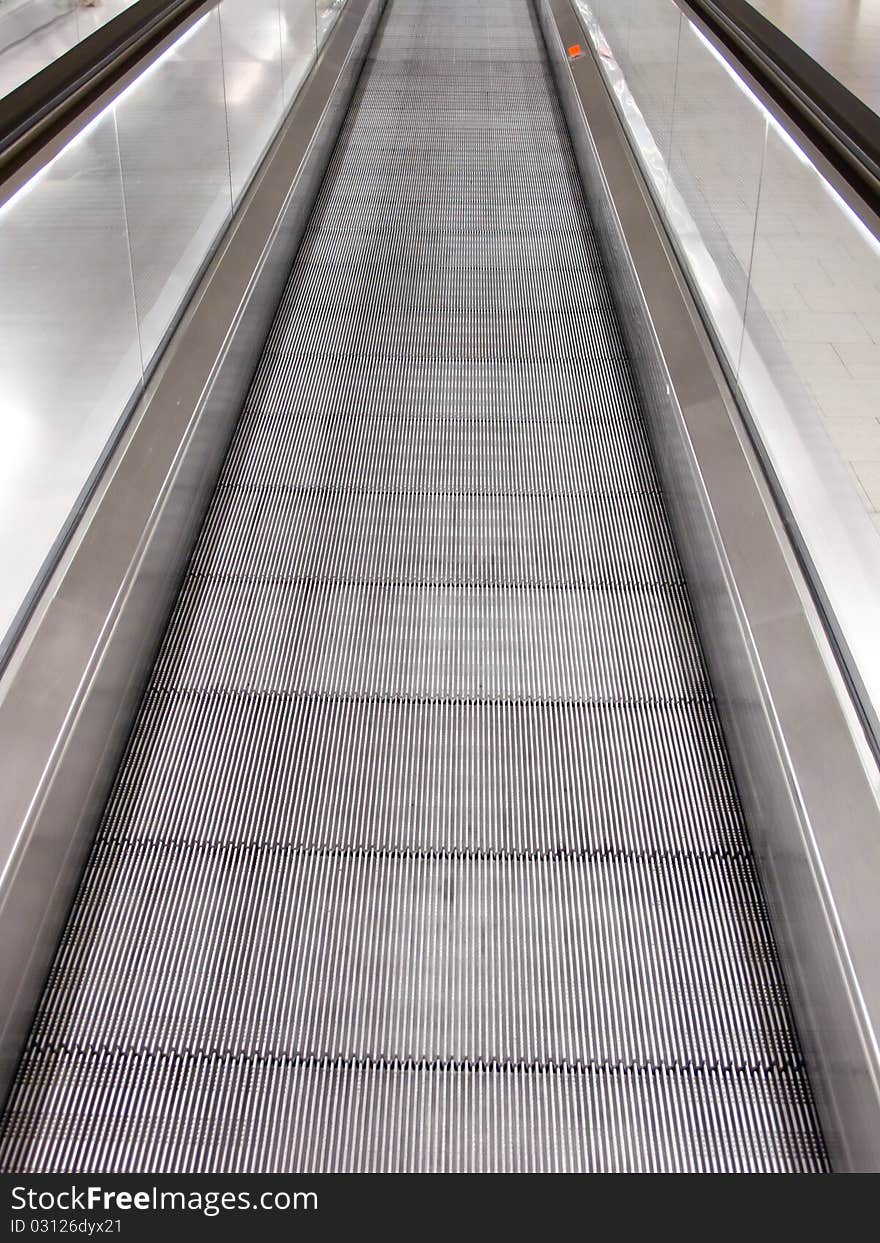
(843, 128)
(35, 112)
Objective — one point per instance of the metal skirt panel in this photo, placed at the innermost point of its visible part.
(425, 853)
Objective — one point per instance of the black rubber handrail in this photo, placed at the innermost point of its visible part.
(843, 128)
(32, 114)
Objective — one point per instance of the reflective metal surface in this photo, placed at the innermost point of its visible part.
(425, 846)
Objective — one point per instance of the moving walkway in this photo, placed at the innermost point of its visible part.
(432, 845)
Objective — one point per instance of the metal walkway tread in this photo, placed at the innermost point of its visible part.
(475, 775)
(425, 853)
(321, 1115)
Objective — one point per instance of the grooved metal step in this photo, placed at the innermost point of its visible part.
(433, 639)
(458, 537)
(425, 853)
(275, 1112)
(487, 955)
(474, 775)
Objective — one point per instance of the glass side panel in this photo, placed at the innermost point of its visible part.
(177, 194)
(100, 250)
(253, 76)
(715, 155)
(787, 273)
(298, 43)
(327, 13)
(69, 353)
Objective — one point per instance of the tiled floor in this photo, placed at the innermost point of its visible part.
(842, 35)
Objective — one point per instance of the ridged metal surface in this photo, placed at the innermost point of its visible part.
(425, 853)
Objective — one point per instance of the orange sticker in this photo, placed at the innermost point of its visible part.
(575, 50)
